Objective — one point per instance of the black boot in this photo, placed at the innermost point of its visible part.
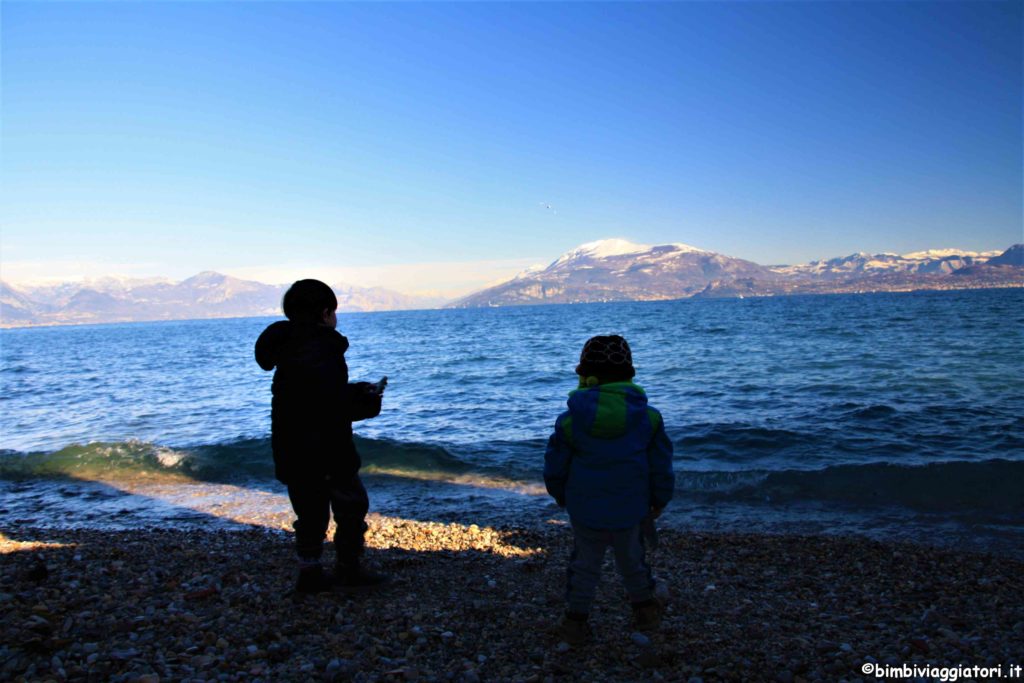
(313, 579)
(351, 575)
(574, 628)
(647, 615)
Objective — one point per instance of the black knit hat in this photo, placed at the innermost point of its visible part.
(306, 301)
(607, 358)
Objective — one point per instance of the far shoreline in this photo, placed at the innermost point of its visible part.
(449, 307)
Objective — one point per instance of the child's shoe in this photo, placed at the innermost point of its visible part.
(574, 628)
(313, 579)
(353, 576)
(647, 614)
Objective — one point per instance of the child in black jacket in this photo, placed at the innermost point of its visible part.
(312, 411)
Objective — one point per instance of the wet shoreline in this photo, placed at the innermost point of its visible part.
(146, 502)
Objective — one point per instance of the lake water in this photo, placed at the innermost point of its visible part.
(893, 415)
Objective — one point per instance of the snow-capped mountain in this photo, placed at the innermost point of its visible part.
(605, 270)
(1014, 256)
(205, 295)
(945, 253)
(59, 294)
(940, 261)
(603, 249)
(619, 270)
(16, 308)
(599, 250)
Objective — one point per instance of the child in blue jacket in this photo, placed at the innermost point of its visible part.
(609, 462)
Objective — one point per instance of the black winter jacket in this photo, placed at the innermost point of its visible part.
(313, 404)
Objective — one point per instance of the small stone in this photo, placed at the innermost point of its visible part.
(846, 647)
(920, 645)
(640, 639)
(649, 658)
(562, 647)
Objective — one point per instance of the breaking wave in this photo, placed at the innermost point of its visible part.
(988, 486)
(233, 461)
(992, 486)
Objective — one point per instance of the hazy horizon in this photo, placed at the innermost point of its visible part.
(377, 276)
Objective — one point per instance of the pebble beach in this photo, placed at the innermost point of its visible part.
(472, 603)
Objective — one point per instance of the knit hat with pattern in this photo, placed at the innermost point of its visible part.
(607, 358)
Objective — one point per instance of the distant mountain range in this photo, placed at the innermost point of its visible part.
(206, 295)
(606, 270)
(618, 270)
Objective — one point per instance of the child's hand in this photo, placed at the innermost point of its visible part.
(378, 388)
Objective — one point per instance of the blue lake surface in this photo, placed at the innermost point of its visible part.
(889, 414)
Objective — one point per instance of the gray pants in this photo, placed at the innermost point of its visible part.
(589, 546)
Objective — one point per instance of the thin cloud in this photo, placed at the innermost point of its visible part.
(440, 279)
(72, 270)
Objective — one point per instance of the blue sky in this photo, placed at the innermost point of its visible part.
(413, 144)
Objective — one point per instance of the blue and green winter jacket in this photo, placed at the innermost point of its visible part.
(609, 460)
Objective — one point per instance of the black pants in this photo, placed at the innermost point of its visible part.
(314, 500)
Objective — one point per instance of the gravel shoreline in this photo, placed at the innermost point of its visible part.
(471, 604)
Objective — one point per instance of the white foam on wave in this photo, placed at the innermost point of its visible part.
(480, 481)
(169, 457)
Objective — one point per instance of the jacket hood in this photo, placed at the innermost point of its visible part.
(282, 338)
(608, 411)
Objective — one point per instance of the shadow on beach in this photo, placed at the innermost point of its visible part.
(472, 602)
